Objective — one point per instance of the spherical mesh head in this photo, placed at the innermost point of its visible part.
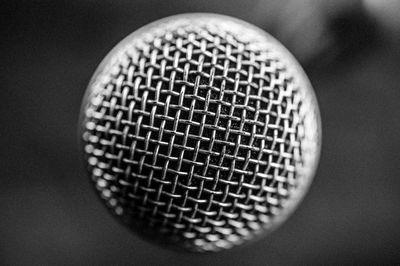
(200, 130)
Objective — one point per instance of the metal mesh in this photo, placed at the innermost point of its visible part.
(195, 134)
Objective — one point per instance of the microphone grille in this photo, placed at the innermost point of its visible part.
(200, 130)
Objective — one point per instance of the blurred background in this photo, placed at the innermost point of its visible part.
(50, 49)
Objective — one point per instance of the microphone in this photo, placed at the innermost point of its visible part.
(200, 131)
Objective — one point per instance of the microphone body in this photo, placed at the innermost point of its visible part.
(200, 131)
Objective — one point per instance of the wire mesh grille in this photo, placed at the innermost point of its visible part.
(197, 135)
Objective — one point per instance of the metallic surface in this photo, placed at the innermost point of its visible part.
(200, 130)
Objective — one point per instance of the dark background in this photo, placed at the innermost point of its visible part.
(48, 211)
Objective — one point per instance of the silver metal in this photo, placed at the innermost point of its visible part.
(200, 130)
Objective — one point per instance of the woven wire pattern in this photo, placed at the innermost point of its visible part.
(197, 135)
